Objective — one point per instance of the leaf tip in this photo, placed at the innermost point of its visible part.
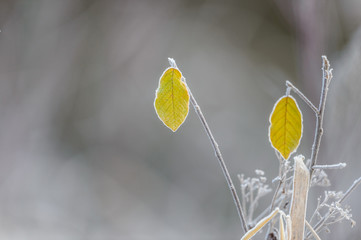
(172, 62)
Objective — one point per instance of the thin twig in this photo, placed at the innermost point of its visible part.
(316, 212)
(320, 223)
(220, 159)
(331, 166)
(275, 195)
(243, 194)
(252, 207)
(302, 96)
(280, 178)
(216, 150)
(350, 189)
(326, 79)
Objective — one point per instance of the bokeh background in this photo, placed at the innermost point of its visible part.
(83, 154)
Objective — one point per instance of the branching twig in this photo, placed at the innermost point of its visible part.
(321, 222)
(326, 79)
(220, 159)
(280, 198)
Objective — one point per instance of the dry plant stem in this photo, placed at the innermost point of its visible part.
(220, 159)
(299, 198)
(320, 223)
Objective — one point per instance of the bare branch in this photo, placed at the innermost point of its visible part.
(220, 158)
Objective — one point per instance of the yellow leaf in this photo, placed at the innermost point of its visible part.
(285, 131)
(172, 99)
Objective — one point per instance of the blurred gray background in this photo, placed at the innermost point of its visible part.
(83, 154)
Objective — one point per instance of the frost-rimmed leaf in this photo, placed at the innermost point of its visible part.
(172, 99)
(286, 126)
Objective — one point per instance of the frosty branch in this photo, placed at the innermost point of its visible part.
(173, 97)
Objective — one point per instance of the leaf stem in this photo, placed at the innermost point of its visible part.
(302, 96)
(220, 159)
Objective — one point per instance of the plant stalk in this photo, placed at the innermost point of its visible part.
(220, 159)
